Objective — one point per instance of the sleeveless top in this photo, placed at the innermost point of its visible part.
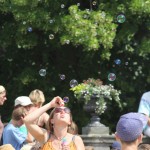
(48, 145)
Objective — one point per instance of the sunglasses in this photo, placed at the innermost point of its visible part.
(59, 110)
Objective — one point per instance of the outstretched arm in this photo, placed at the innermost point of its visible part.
(38, 133)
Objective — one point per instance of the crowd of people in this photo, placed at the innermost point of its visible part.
(31, 127)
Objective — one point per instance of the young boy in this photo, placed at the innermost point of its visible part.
(11, 133)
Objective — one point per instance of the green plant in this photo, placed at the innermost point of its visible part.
(94, 89)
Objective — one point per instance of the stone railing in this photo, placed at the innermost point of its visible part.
(103, 142)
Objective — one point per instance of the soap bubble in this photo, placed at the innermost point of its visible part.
(66, 99)
(121, 18)
(29, 29)
(42, 72)
(24, 22)
(126, 63)
(73, 83)
(51, 36)
(78, 4)
(67, 41)
(94, 3)
(51, 21)
(111, 77)
(117, 61)
(62, 6)
(62, 76)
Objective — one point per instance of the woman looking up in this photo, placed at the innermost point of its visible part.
(57, 137)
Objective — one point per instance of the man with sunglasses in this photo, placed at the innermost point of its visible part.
(3, 98)
(57, 137)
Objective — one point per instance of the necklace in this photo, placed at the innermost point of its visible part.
(61, 141)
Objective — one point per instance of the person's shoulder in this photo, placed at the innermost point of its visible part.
(76, 137)
(9, 126)
(45, 114)
(146, 95)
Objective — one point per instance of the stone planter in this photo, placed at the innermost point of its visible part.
(94, 126)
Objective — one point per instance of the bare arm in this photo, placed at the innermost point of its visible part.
(38, 133)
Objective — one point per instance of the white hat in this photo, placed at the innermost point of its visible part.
(23, 101)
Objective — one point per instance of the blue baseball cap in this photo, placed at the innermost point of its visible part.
(130, 126)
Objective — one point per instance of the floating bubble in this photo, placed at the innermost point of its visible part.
(62, 76)
(73, 83)
(51, 36)
(85, 16)
(62, 6)
(42, 72)
(24, 22)
(29, 29)
(94, 3)
(111, 77)
(67, 41)
(51, 21)
(126, 63)
(121, 18)
(78, 4)
(117, 61)
(66, 99)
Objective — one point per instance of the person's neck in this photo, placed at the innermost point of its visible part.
(15, 123)
(60, 133)
(129, 147)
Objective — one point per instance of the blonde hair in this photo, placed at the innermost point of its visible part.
(2, 89)
(50, 125)
(37, 97)
(73, 128)
(7, 147)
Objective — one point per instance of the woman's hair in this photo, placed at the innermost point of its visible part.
(37, 97)
(50, 125)
(73, 128)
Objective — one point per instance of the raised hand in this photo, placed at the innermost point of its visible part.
(57, 102)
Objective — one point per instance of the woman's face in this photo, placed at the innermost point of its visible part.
(3, 97)
(61, 114)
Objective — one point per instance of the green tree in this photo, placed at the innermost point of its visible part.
(80, 39)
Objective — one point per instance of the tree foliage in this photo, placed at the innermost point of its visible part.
(80, 39)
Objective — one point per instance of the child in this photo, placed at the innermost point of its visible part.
(11, 133)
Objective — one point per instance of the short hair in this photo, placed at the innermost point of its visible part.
(18, 113)
(37, 97)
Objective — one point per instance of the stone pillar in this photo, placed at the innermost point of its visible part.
(95, 127)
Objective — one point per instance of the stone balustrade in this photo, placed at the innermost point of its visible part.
(103, 142)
